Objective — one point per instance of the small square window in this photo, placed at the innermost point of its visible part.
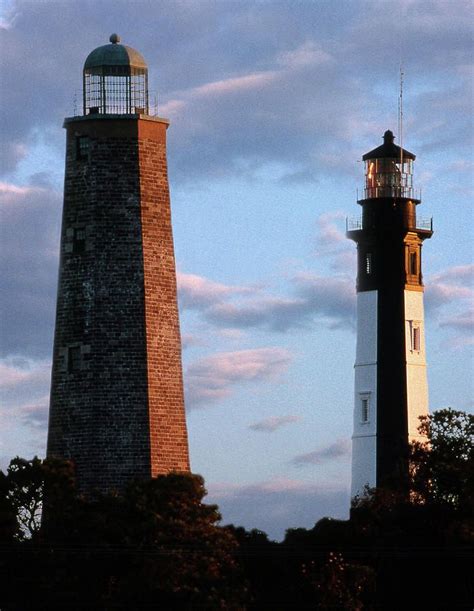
(415, 338)
(368, 263)
(79, 240)
(364, 408)
(82, 147)
(73, 359)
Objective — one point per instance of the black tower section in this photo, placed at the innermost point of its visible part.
(389, 261)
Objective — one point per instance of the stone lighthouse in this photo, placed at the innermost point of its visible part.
(117, 406)
(391, 389)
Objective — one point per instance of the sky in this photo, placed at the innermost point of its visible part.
(272, 105)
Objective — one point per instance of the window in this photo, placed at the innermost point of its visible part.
(364, 408)
(82, 147)
(73, 359)
(415, 338)
(413, 264)
(368, 263)
(79, 240)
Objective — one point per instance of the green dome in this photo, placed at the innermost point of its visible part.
(114, 54)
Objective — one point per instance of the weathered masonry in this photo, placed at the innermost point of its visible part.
(117, 405)
(391, 389)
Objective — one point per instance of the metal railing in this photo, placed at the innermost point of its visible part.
(407, 192)
(426, 223)
(355, 223)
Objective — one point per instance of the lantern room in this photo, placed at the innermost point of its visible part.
(115, 80)
(388, 171)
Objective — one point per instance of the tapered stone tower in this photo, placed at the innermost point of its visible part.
(391, 389)
(117, 406)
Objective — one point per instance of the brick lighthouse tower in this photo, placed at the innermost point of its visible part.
(391, 389)
(117, 406)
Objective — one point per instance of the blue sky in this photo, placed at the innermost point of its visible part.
(272, 105)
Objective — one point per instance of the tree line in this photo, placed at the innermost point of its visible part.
(158, 545)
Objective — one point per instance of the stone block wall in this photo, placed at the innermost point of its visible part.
(117, 405)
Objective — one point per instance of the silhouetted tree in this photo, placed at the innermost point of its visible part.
(157, 544)
(339, 584)
(425, 535)
(23, 489)
(442, 468)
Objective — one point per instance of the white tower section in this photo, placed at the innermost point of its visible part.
(417, 382)
(364, 447)
(391, 389)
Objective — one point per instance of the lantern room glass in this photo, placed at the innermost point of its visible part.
(115, 90)
(388, 177)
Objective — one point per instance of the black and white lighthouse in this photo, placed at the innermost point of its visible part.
(391, 389)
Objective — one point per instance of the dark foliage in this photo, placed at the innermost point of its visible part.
(158, 546)
(155, 546)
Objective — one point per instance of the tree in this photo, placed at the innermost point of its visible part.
(340, 584)
(156, 544)
(442, 468)
(23, 488)
(423, 537)
(185, 557)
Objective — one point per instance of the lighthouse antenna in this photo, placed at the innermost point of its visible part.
(400, 116)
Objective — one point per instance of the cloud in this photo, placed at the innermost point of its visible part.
(463, 321)
(276, 313)
(458, 274)
(188, 340)
(295, 66)
(34, 415)
(270, 425)
(453, 284)
(18, 371)
(9, 192)
(330, 300)
(213, 378)
(196, 292)
(339, 449)
(29, 234)
(278, 504)
(232, 85)
(307, 54)
(462, 324)
(329, 234)
(331, 242)
(24, 395)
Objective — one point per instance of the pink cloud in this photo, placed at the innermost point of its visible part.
(10, 193)
(307, 54)
(269, 425)
(171, 108)
(188, 340)
(197, 291)
(450, 285)
(276, 311)
(331, 241)
(463, 321)
(255, 80)
(15, 372)
(454, 275)
(329, 233)
(280, 503)
(276, 485)
(331, 299)
(246, 82)
(212, 378)
(34, 414)
(339, 449)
